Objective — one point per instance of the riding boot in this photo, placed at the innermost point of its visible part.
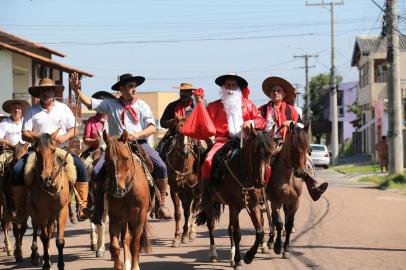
(96, 212)
(164, 212)
(314, 191)
(20, 199)
(83, 191)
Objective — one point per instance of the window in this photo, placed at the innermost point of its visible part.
(340, 111)
(363, 75)
(380, 71)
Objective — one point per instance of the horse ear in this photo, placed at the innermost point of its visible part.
(253, 131)
(105, 136)
(292, 126)
(124, 136)
(54, 134)
(306, 127)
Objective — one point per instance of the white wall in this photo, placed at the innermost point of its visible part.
(6, 76)
(22, 73)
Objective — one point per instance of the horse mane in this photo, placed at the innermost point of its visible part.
(262, 139)
(44, 141)
(299, 140)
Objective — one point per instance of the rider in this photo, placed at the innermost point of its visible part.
(278, 114)
(229, 114)
(135, 116)
(47, 116)
(10, 135)
(181, 107)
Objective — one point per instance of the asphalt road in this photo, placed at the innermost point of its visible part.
(354, 226)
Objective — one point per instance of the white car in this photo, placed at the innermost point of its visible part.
(320, 155)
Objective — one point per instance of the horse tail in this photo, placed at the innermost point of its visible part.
(215, 209)
(145, 243)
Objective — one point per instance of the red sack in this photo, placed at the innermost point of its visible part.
(199, 124)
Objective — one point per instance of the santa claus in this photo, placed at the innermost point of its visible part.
(229, 114)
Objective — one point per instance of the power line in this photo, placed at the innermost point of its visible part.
(376, 4)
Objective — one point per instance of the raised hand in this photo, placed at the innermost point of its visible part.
(74, 82)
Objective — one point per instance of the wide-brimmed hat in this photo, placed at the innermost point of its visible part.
(287, 87)
(7, 105)
(125, 78)
(241, 81)
(103, 95)
(185, 87)
(45, 83)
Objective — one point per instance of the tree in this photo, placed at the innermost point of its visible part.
(319, 88)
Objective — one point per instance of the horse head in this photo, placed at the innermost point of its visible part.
(19, 150)
(44, 148)
(120, 163)
(182, 142)
(298, 144)
(256, 154)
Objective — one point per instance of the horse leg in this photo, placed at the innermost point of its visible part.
(276, 219)
(290, 212)
(210, 225)
(263, 245)
(176, 204)
(7, 245)
(101, 230)
(192, 229)
(232, 244)
(34, 246)
(125, 241)
(256, 218)
(186, 213)
(114, 230)
(60, 241)
(45, 232)
(19, 231)
(93, 236)
(137, 229)
(234, 212)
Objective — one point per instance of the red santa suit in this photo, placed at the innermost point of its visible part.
(219, 117)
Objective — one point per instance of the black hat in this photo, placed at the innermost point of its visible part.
(103, 95)
(125, 78)
(241, 81)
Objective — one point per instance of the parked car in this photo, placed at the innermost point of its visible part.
(320, 155)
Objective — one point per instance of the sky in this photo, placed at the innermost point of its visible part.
(169, 42)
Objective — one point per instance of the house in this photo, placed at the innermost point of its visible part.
(369, 56)
(23, 63)
(346, 95)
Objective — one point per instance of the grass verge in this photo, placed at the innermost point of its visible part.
(367, 168)
(397, 181)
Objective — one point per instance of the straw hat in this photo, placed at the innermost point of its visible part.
(45, 83)
(287, 87)
(241, 81)
(125, 78)
(7, 105)
(185, 87)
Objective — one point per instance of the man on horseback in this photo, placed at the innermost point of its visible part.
(278, 114)
(10, 135)
(229, 114)
(135, 116)
(48, 116)
(181, 107)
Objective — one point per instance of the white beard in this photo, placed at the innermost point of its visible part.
(232, 102)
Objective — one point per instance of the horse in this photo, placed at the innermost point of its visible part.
(6, 197)
(97, 232)
(238, 186)
(285, 186)
(183, 180)
(128, 200)
(48, 174)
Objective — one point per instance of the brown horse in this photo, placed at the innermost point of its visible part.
(285, 186)
(180, 160)
(6, 199)
(244, 175)
(48, 179)
(128, 199)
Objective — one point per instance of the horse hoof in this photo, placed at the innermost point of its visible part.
(35, 259)
(214, 259)
(264, 250)
(18, 256)
(270, 245)
(9, 252)
(248, 257)
(277, 250)
(192, 236)
(176, 243)
(93, 247)
(286, 255)
(232, 263)
(238, 266)
(185, 240)
(99, 254)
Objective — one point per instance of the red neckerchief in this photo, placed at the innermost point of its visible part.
(279, 114)
(130, 109)
(180, 107)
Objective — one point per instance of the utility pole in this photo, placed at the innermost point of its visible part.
(395, 132)
(307, 106)
(333, 83)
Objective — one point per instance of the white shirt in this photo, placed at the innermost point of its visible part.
(37, 119)
(11, 131)
(114, 108)
(270, 123)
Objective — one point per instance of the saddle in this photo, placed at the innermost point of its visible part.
(224, 154)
